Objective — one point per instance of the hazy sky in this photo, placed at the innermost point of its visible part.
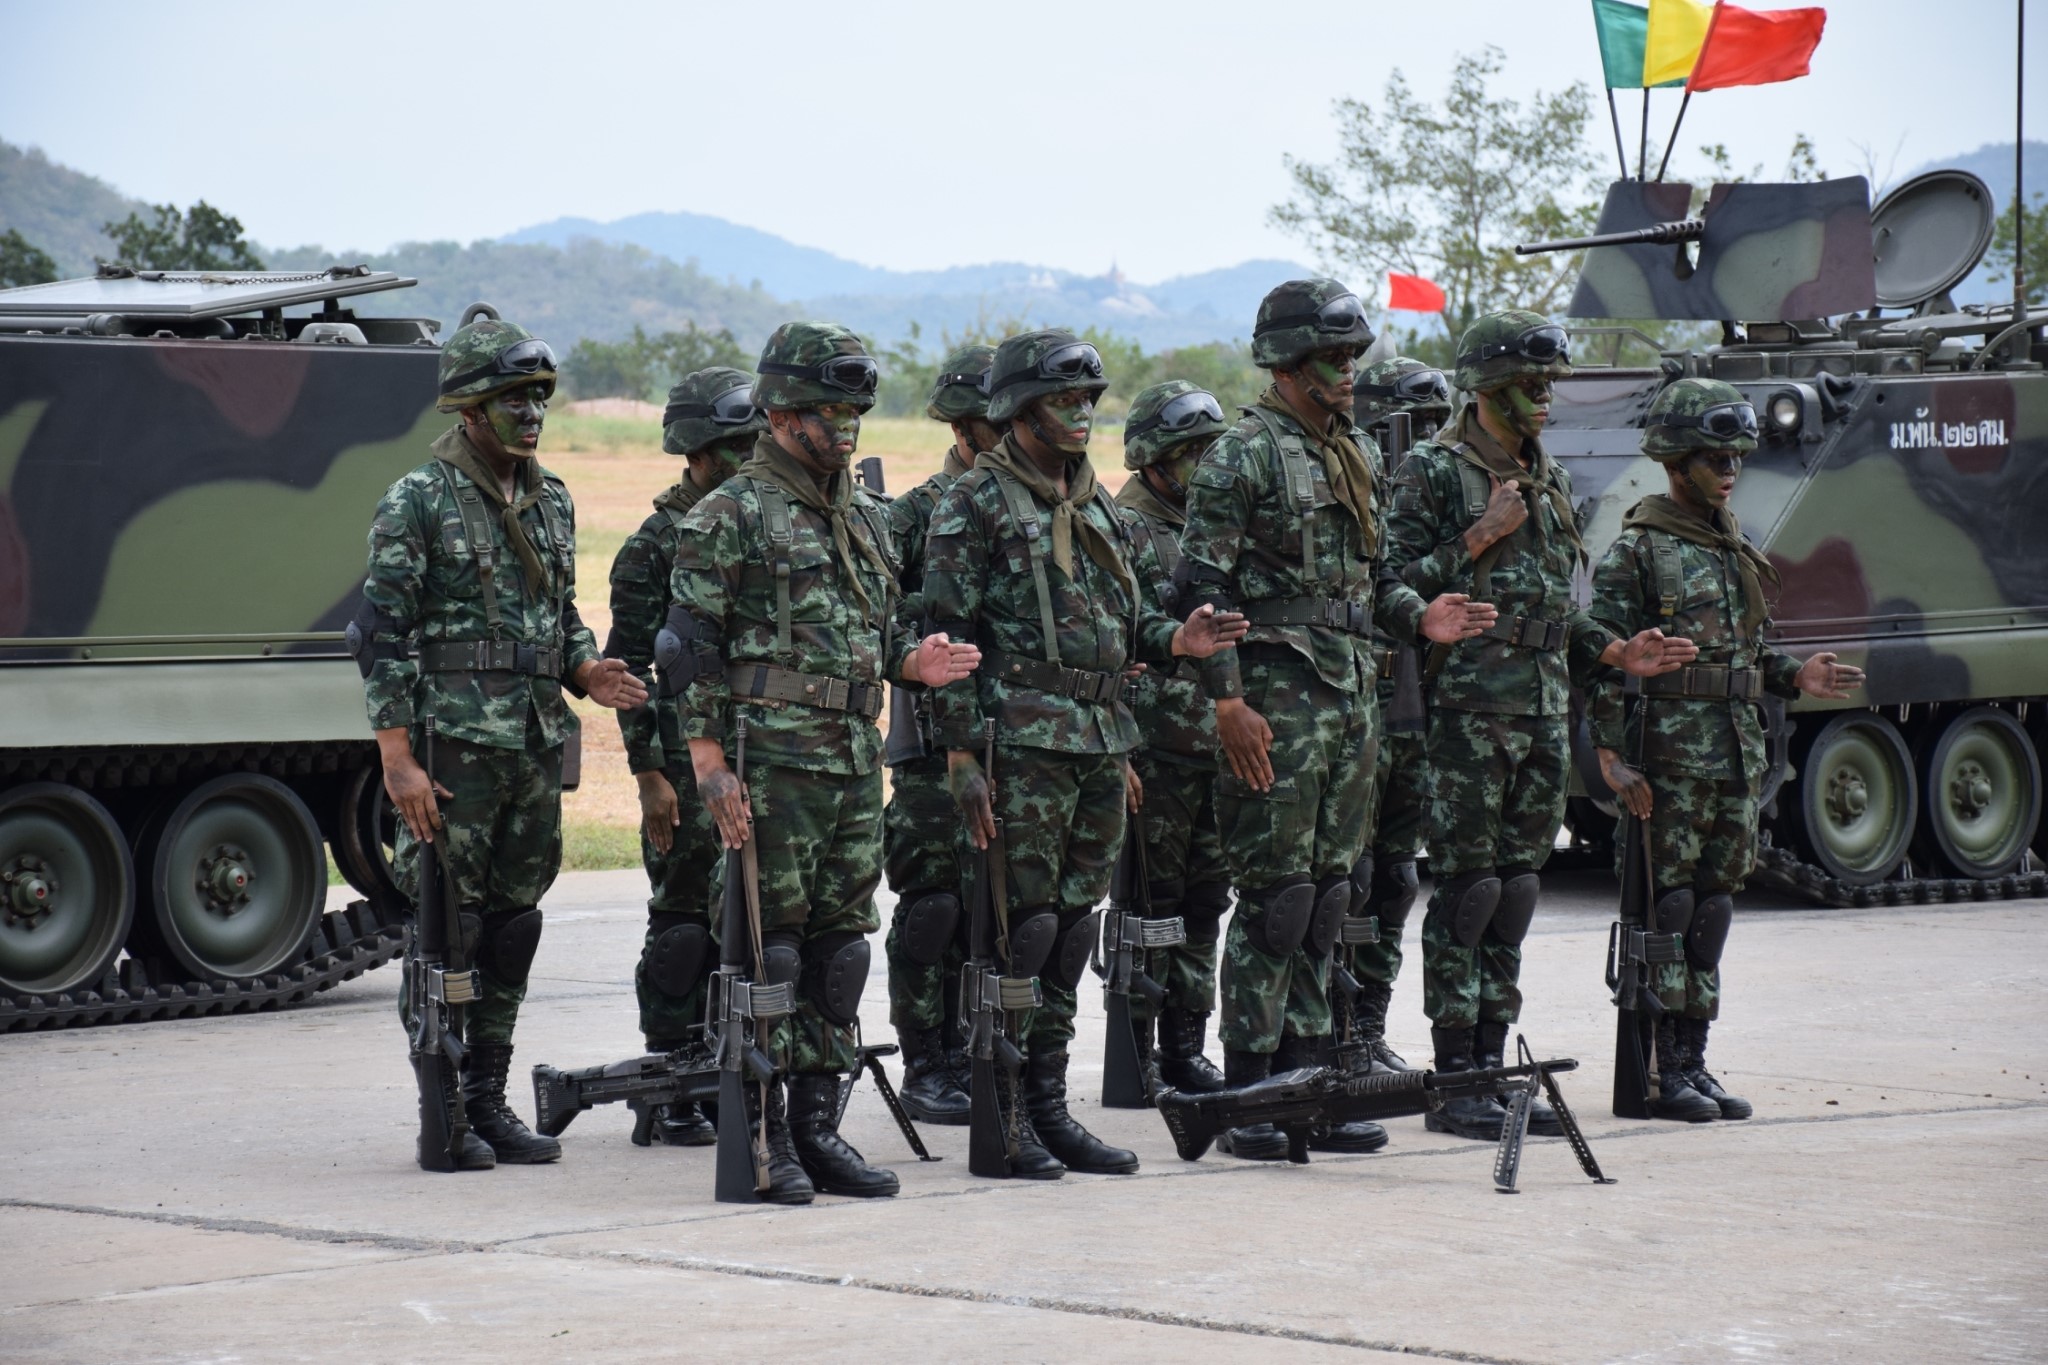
(897, 134)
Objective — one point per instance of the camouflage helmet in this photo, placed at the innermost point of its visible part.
(1698, 414)
(961, 390)
(1502, 347)
(709, 405)
(814, 365)
(1166, 417)
(1301, 317)
(489, 356)
(1401, 384)
(1035, 364)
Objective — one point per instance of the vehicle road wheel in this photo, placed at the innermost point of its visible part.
(365, 833)
(237, 877)
(67, 889)
(1980, 785)
(1854, 810)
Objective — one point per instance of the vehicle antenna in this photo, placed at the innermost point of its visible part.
(2019, 158)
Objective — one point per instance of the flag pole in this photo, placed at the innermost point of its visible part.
(1643, 145)
(1620, 153)
(1674, 132)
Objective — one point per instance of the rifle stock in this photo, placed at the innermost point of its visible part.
(438, 983)
(1632, 950)
(1129, 932)
(990, 1001)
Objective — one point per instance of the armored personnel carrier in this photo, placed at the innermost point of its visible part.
(188, 465)
(1900, 485)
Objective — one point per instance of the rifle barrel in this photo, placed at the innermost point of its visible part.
(1659, 234)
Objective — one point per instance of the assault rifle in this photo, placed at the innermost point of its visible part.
(438, 983)
(1633, 949)
(869, 472)
(1300, 1103)
(989, 1002)
(1129, 932)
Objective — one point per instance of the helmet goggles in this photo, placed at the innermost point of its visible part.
(530, 356)
(733, 408)
(1182, 413)
(1417, 386)
(1545, 345)
(1723, 422)
(852, 374)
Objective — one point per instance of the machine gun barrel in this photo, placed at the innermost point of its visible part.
(1657, 234)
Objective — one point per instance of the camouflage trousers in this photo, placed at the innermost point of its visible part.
(1063, 818)
(1703, 837)
(501, 840)
(921, 854)
(818, 841)
(1310, 825)
(1182, 850)
(1497, 789)
(1400, 828)
(680, 882)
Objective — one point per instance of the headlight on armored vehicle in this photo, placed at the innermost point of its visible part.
(1785, 411)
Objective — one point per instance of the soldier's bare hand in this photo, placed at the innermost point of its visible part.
(1247, 743)
(937, 660)
(1505, 511)
(1631, 788)
(1207, 631)
(608, 682)
(720, 791)
(973, 793)
(660, 812)
(412, 795)
(1648, 653)
(1821, 676)
(1453, 617)
(1134, 788)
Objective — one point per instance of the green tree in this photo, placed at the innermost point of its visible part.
(1446, 191)
(645, 367)
(2003, 253)
(22, 262)
(201, 238)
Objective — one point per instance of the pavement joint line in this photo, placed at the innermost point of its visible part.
(333, 1236)
(1042, 1302)
(176, 1286)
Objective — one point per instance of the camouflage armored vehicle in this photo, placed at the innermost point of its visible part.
(188, 464)
(1901, 487)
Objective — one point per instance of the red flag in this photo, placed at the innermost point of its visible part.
(1413, 294)
(1756, 47)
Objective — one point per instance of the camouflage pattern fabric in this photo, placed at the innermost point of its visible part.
(1284, 332)
(422, 571)
(959, 400)
(1148, 444)
(681, 882)
(1689, 397)
(1381, 373)
(1496, 329)
(1178, 824)
(501, 841)
(1013, 373)
(1703, 836)
(474, 348)
(1399, 830)
(809, 344)
(1174, 715)
(1497, 788)
(682, 435)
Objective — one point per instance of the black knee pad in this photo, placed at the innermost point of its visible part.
(1394, 888)
(1518, 888)
(1471, 900)
(1201, 910)
(1070, 958)
(1361, 881)
(1276, 917)
(1165, 894)
(1333, 903)
(508, 943)
(470, 922)
(1033, 933)
(782, 960)
(1673, 912)
(1709, 933)
(929, 925)
(836, 973)
(678, 958)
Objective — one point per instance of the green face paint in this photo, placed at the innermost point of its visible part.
(515, 417)
(1522, 406)
(1066, 419)
(1711, 475)
(1329, 374)
(834, 434)
(712, 465)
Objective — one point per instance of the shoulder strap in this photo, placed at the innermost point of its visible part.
(1025, 513)
(1301, 487)
(775, 522)
(558, 533)
(1665, 562)
(476, 528)
(1165, 548)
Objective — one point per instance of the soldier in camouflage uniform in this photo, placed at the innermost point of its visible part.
(1027, 556)
(1284, 524)
(1682, 566)
(473, 563)
(921, 827)
(1482, 508)
(1168, 429)
(783, 583)
(1396, 830)
(712, 422)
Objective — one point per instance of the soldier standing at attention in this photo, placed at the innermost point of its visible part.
(1168, 428)
(1482, 507)
(1284, 524)
(1681, 565)
(473, 557)
(921, 826)
(1027, 556)
(712, 422)
(782, 585)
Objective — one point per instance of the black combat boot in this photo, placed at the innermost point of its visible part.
(491, 1118)
(1370, 1015)
(1490, 1044)
(931, 1092)
(1033, 1161)
(1183, 1034)
(1467, 1116)
(1360, 1135)
(473, 1154)
(1676, 1099)
(1258, 1141)
(1692, 1038)
(787, 1183)
(829, 1159)
(1045, 1100)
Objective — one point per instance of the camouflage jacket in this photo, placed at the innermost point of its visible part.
(724, 574)
(910, 518)
(979, 585)
(1243, 530)
(1531, 576)
(1175, 717)
(423, 572)
(640, 601)
(1711, 739)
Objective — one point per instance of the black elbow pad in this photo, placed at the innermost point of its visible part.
(371, 635)
(684, 650)
(1198, 585)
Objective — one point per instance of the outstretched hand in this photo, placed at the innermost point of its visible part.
(608, 682)
(1821, 676)
(1648, 653)
(1208, 631)
(1453, 617)
(937, 661)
